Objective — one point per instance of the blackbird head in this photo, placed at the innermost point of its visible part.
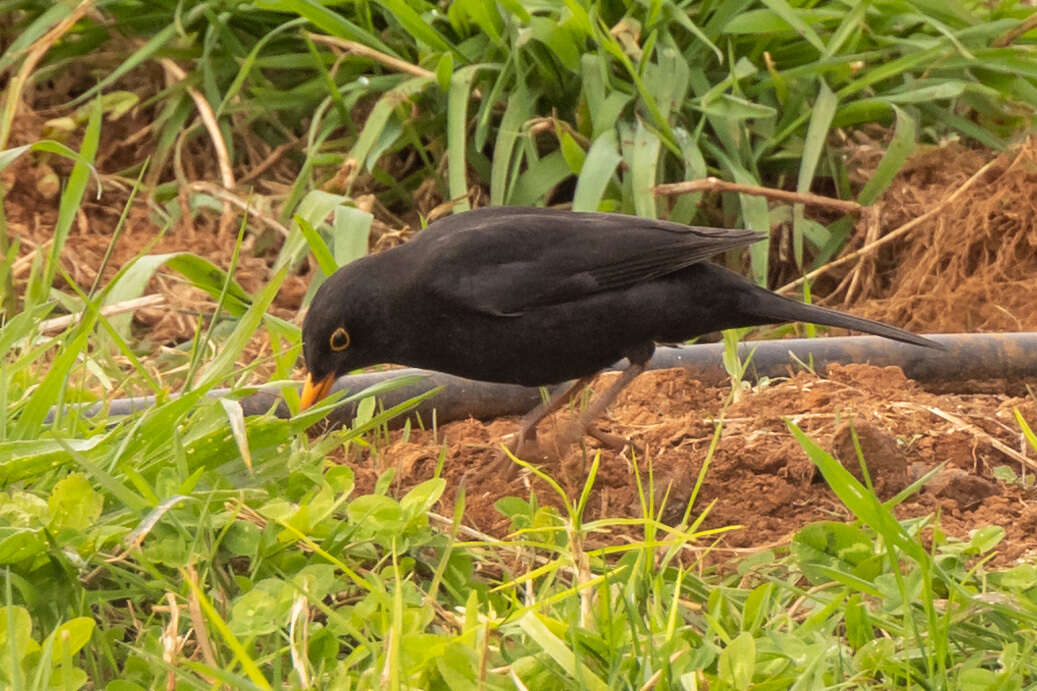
(337, 335)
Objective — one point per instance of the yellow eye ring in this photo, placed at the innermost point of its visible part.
(339, 340)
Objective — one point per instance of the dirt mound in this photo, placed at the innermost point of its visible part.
(759, 477)
(972, 266)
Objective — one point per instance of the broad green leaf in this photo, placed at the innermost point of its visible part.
(74, 504)
(598, 169)
(695, 168)
(255, 613)
(320, 251)
(486, 15)
(351, 231)
(737, 662)
(444, 69)
(928, 93)
(900, 148)
(30, 458)
(863, 503)
(421, 499)
(735, 108)
(835, 545)
(16, 634)
(19, 545)
(316, 206)
(756, 215)
(557, 650)
(456, 135)
(606, 117)
(668, 79)
(515, 114)
(381, 513)
(770, 21)
(558, 41)
(571, 150)
(644, 160)
(540, 178)
(374, 124)
(70, 637)
(9, 156)
(817, 135)
(859, 629)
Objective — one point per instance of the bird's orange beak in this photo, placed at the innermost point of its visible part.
(313, 392)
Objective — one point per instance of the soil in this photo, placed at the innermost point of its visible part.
(759, 478)
(970, 266)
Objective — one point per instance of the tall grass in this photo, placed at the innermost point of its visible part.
(587, 102)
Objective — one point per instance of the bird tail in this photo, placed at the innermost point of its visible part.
(772, 308)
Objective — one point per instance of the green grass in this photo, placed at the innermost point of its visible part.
(517, 98)
(190, 543)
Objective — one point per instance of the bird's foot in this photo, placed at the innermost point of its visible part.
(612, 441)
(524, 446)
(572, 432)
(552, 447)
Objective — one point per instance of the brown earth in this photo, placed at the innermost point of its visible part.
(971, 266)
(759, 477)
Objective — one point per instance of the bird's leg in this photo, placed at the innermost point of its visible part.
(638, 357)
(560, 397)
(599, 404)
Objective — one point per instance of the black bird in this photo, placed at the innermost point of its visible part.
(540, 296)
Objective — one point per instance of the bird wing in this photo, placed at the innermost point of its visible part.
(504, 261)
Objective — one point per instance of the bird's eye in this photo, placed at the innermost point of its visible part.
(339, 340)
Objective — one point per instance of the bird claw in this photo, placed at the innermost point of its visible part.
(612, 441)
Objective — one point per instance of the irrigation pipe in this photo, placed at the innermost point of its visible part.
(968, 357)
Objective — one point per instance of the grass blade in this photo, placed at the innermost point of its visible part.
(456, 135)
(817, 134)
(897, 153)
(598, 168)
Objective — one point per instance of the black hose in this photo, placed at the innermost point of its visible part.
(966, 358)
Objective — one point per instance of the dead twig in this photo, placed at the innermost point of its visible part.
(23, 263)
(60, 323)
(360, 49)
(205, 111)
(712, 184)
(208, 119)
(229, 197)
(865, 267)
(270, 160)
(1015, 32)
